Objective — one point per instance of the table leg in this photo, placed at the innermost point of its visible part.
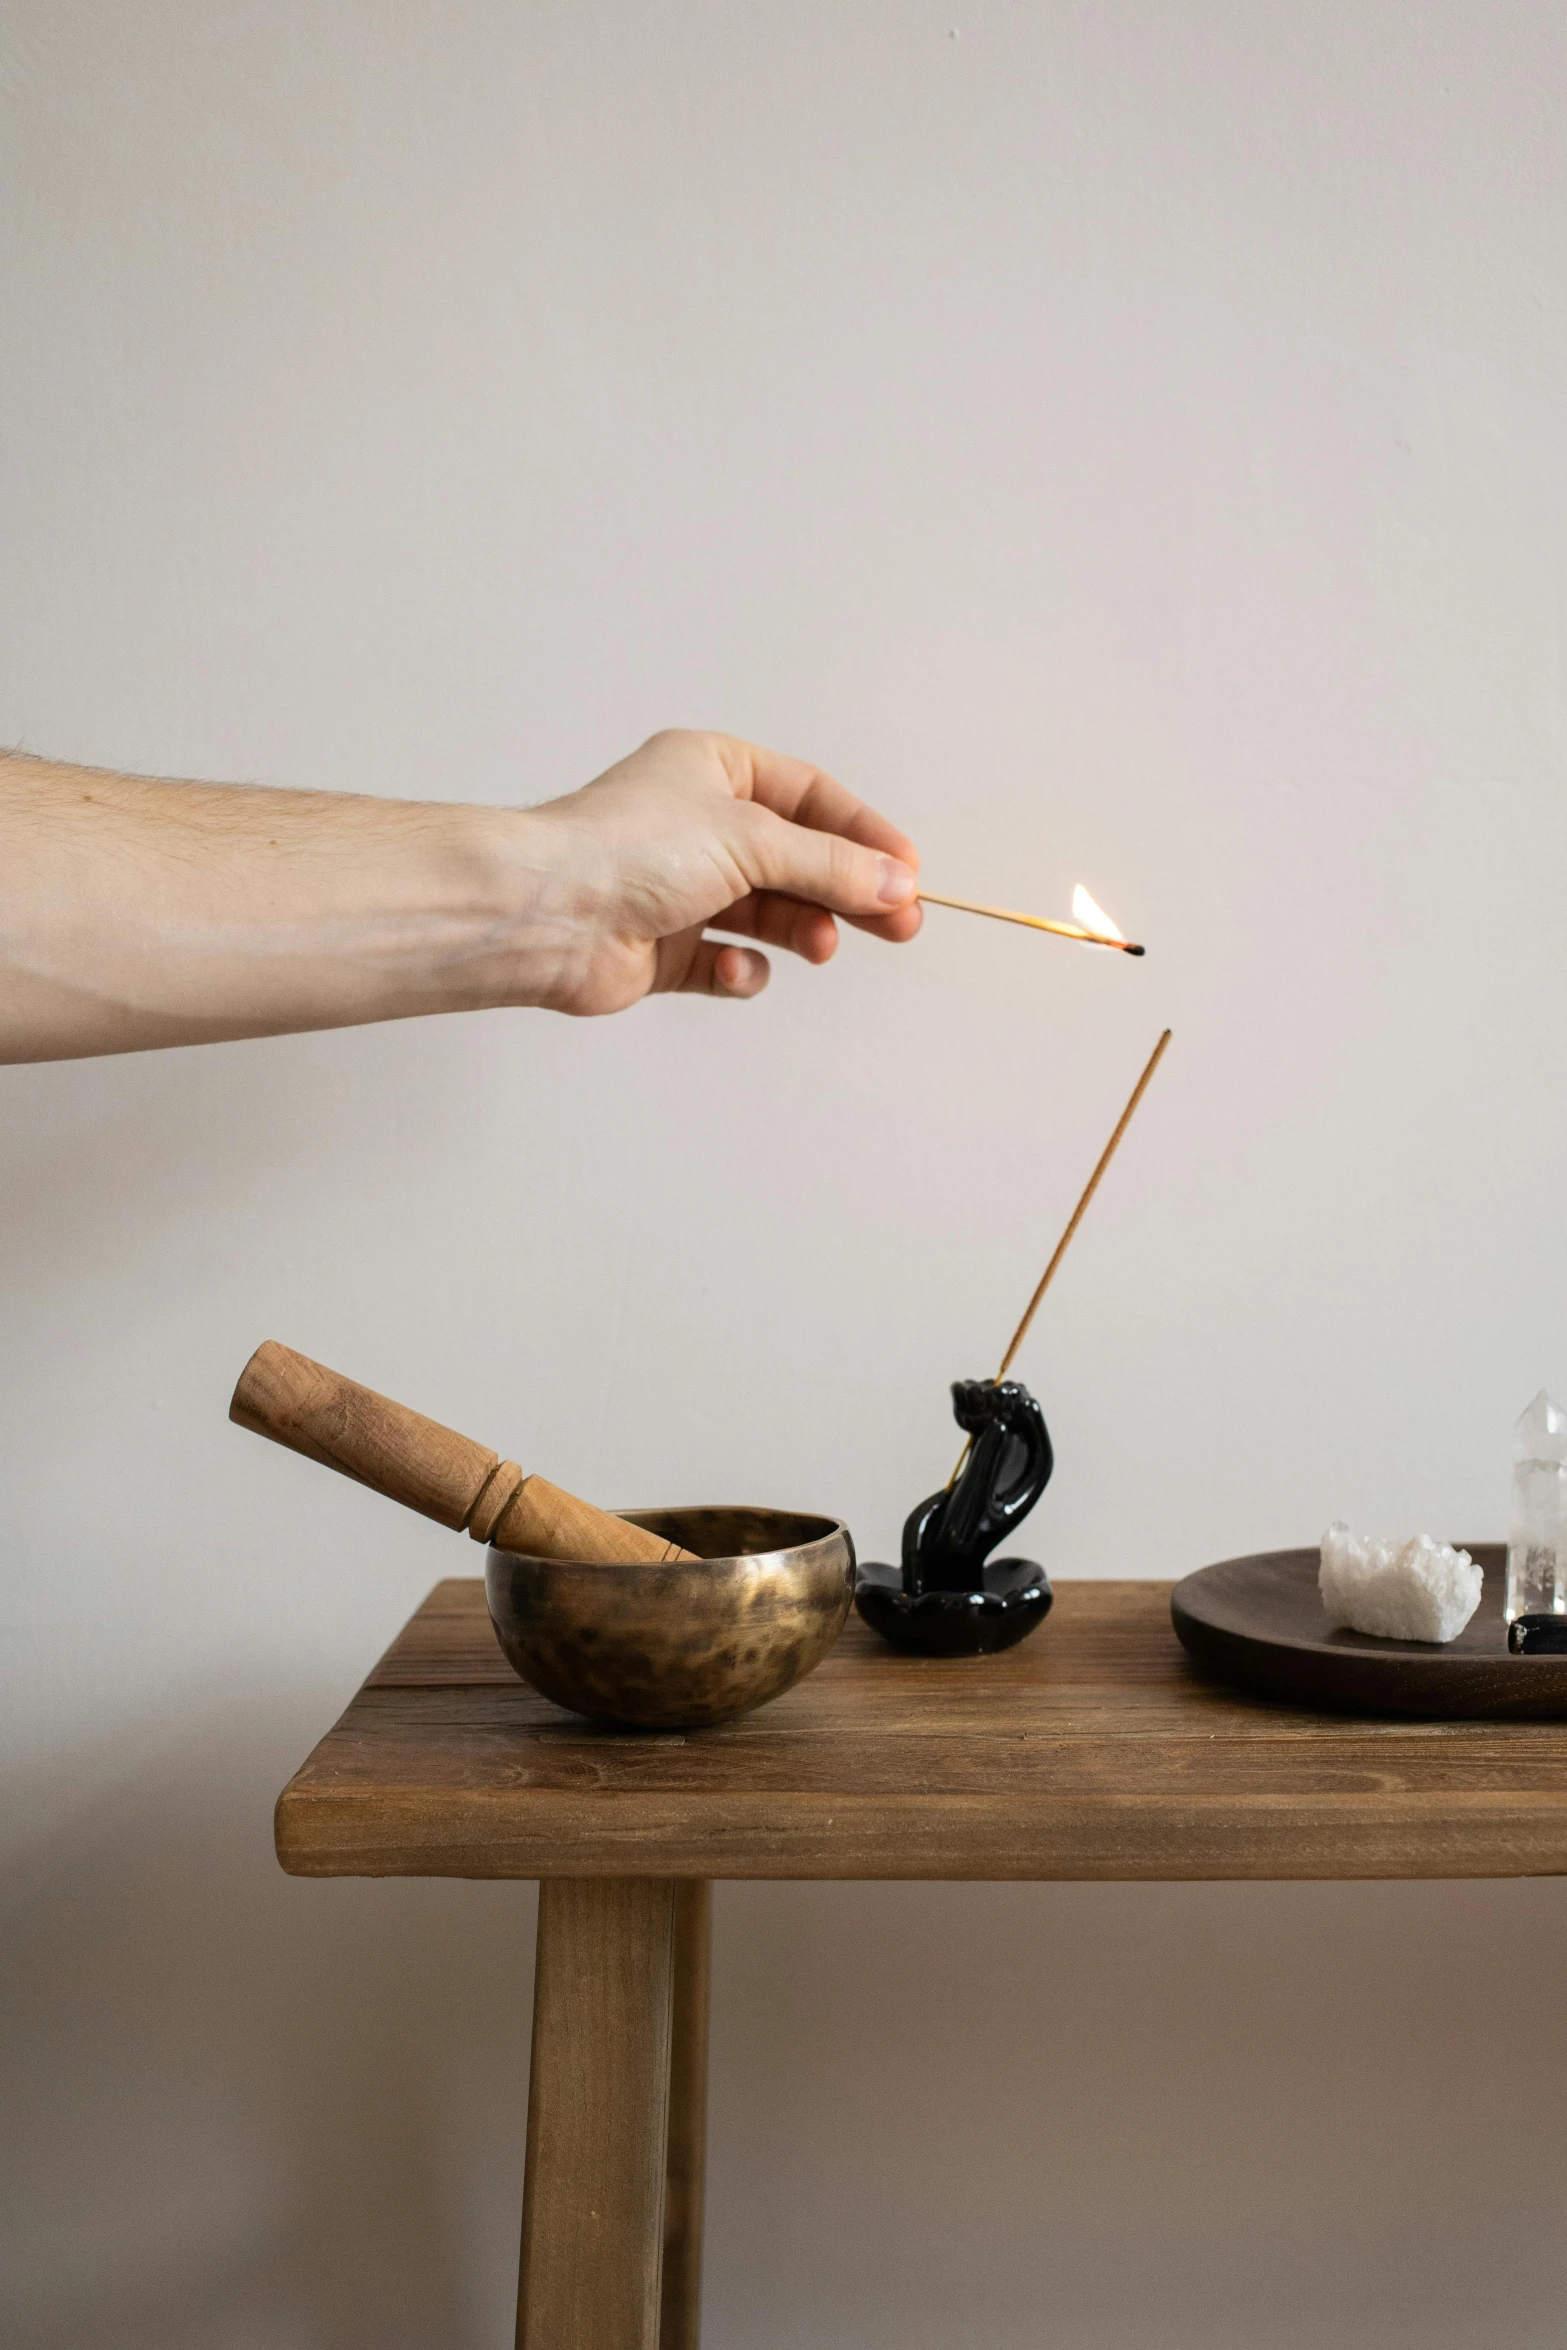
(681, 2321)
(598, 2115)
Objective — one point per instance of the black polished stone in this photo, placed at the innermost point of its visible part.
(948, 1598)
(1538, 1636)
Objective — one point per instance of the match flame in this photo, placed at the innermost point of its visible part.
(1091, 916)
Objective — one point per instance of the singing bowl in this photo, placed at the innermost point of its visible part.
(681, 1645)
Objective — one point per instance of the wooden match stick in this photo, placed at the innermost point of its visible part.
(1089, 1188)
(1093, 938)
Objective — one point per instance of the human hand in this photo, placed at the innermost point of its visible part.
(703, 831)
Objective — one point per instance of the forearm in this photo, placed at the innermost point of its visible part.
(136, 913)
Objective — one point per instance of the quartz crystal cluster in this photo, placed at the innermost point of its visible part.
(1414, 1590)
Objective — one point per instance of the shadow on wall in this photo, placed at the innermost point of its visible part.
(249, 2113)
(1137, 2117)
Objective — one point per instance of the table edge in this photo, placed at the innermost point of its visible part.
(925, 1837)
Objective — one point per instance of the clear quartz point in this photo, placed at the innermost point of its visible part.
(1537, 1539)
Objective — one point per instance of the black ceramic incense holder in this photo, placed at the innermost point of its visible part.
(949, 1598)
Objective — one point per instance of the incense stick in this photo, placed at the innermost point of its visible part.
(1093, 938)
(1089, 1188)
(1092, 1185)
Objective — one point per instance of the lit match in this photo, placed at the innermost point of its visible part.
(1093, 925)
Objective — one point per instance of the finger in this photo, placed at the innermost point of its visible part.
(807, 931)
(900, 927)
(821, 867)
(810, 796)
(822, 809)
(723, 970)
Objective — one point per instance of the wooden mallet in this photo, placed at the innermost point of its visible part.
(426, 1467)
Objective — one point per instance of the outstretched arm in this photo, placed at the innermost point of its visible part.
(137, 913)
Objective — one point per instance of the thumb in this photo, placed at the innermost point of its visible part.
(821, 867)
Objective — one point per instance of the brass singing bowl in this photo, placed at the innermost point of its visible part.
(682, 1645)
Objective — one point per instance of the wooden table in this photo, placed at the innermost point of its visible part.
(1089, 1752)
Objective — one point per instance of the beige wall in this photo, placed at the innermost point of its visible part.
(1126, 441)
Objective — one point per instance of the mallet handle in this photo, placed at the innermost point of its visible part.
(426, 1467)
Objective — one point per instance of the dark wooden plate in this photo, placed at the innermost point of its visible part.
(1258, 1624)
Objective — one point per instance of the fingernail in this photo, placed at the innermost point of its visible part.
(896, 884)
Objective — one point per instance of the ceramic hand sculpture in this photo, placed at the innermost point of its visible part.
(949, 1598)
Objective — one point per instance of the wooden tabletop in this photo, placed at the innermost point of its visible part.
(1091, 1751)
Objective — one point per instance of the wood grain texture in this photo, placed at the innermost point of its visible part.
(1091, 1751)
(541, 1520)
(598, 2115)
(680, 2323)
(311, 1410)
(460, 1483)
